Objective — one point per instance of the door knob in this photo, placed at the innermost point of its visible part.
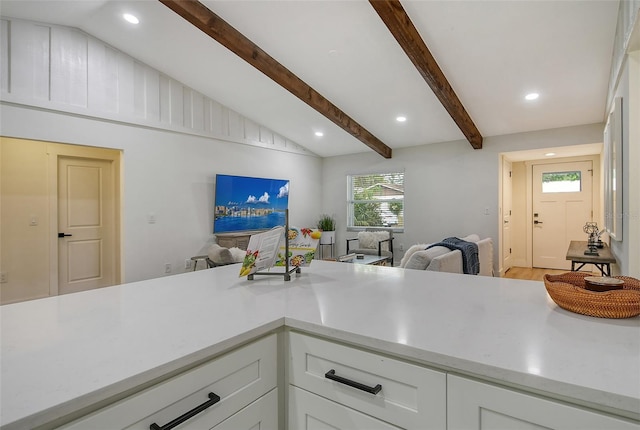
(64, 235)
(537, 222)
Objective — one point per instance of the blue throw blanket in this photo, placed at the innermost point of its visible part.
(470, 260)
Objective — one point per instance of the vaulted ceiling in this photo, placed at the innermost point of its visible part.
(492, 53)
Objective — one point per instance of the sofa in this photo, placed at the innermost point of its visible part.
(443, 259)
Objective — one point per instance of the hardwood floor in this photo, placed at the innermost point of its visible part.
(533, 274)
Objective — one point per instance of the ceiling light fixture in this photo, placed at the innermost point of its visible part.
(549, 154)
(319, 133)
(532, 96)
(131, 18)
(401, 118)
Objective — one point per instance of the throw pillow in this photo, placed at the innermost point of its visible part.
(237, 254)
(413, 248)
(220, 255)
(366, 240)
(420, 260)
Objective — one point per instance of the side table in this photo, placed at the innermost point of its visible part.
(321, 250)
(196, 259)
(602, 261)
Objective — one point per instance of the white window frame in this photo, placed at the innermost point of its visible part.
(351, 202)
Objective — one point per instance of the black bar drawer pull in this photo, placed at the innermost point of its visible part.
(331, 374)
(213, 399)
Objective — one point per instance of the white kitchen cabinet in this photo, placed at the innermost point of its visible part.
(477, 405)
(238, 378)
(259, 415)
(403, 394)
(309, 411)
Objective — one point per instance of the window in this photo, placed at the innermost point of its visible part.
(376, 200)
(562, 182)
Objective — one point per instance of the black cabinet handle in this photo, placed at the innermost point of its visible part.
(213, 399)
(64, 235)
(331, 374)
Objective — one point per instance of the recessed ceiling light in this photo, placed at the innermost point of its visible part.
(549, 154)
(319, 133)
(131, 18)
(532, 96)
(401, 118)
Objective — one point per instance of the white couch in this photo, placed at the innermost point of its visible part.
(442, 259)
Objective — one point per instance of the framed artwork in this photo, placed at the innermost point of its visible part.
(613, 171)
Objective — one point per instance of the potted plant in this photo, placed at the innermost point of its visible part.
(327, 224)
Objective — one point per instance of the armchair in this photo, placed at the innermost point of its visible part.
(373, 242)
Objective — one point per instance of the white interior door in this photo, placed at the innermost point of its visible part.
(562, 204)
(86, 224)
(507, 191)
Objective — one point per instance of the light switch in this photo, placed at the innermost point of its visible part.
(33, 220)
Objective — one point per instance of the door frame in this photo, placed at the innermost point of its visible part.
(596, 191)
(501, 214)
(56, 150)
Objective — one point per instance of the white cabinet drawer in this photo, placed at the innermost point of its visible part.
(411, 396)
(238, 378)
(261, 414)
(308, 411)
(476, 405)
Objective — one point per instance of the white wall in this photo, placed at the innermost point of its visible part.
(448, 185)
(627, 251)
(171, 175)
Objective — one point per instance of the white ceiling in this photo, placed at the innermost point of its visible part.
(492, 52)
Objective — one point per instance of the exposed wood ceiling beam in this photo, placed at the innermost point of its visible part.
(217, 28)
(399, 24)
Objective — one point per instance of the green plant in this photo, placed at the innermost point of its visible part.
(326, 223)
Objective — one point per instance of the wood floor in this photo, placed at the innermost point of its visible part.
(533, 274)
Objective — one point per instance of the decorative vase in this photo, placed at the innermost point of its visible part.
(328, 237)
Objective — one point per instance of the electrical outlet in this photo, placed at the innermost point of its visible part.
(4, 277)
(167, 268)
(187, 263)
(402, 247)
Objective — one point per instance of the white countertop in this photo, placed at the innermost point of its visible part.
(64, 353)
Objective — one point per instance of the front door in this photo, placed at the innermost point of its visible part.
(86, 224)
(562, 204)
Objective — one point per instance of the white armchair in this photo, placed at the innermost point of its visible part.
(373, 242)
(442, 259)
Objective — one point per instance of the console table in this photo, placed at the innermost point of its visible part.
(602, 261)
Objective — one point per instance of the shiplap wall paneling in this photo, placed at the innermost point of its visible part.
(197, 111)
(236, 125)
(68, 70)
(251, 131)
(193, 105)
(165, 99)
(103, 78)
(266, 136)
(146, 89)
(29, 60)
(69, 66)
(126, 93)
(279, 141)
(176, 103)
(4, 55)
(214, 123)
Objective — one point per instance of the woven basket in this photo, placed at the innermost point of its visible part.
(568, 291)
